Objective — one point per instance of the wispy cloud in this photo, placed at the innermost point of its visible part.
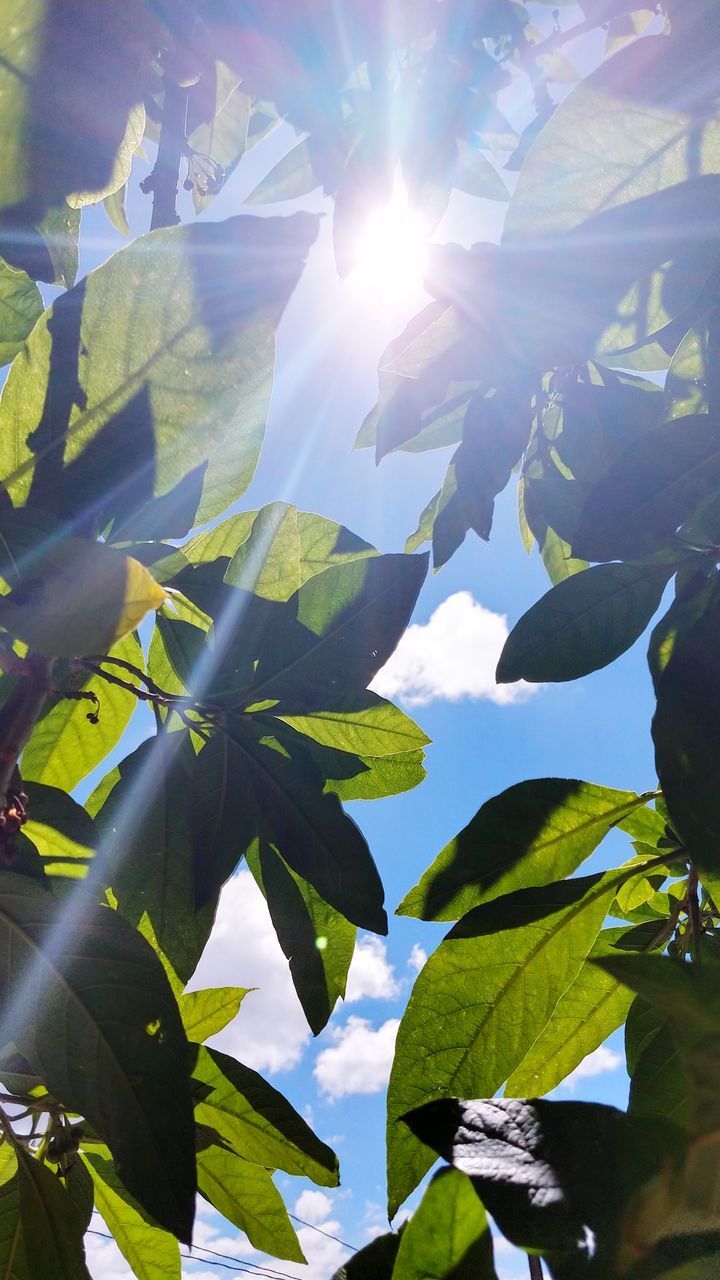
(453, 656)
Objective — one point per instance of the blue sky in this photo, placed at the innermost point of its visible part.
(596, 729)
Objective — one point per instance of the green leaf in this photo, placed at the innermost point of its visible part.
(291, 177)
(204, 1013)
(152, 1253)
(689, 377)
(686, 733)
(20, 306)
(90, 997)
(196, 343)
(539, 1169)
(13, 1263)
(686, 997)
(317, 941)
(375, 1262)
(376, 776)
(64, 747)
(686, 609)
(351, 618)
(476, 175)
(592, 1008)
(61, 830)
(583, 623)
(506, 983)
(366, 726)
(531, 834)
(114, 206)
(52, 1232)
(257, 1121)
(654, 487)
(58, 143)
(659, 1085)
(146, 855)
(448, 1236)
(222, 134)
(244, 786)
(122, 163)
(246, 1195)
(268, 561)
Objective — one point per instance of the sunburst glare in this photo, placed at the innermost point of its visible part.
(391, 253)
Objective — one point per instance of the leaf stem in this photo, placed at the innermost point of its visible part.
(536, 1269)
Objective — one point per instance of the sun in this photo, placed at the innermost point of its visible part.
(391, 253)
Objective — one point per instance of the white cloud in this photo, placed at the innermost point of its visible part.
(270, 1031)
(417, 957)
(452, 656)
(370, 975)
(597, 1063)
(104, 1259)
(313, 1206)
(359, 1060)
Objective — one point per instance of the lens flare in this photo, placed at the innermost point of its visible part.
(391, 253)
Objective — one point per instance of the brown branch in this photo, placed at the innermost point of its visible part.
(163, 181)
(535, 1265)
(18, 718)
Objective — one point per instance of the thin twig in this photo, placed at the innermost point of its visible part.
(535, 1265)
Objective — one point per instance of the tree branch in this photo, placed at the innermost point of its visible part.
(535, 1265)
(18, 718)
(163, 180)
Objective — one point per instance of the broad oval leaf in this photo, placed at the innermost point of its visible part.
(152, 1253)
(531, 834)
(52, 1230)
(20, 306)
(550, 1171)
(448, 1236)
(257, 1121)
(246, 1195)
(204, 1013)
(687, 738)
(366, 726)
(594, 1006)
(179, 377)
(583, 623)
(652, 489)
(91, 1002)
(317, 941)
(481, 1001)
(64, 747)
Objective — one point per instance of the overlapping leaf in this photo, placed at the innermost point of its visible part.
(531, 834)
(91, 1004)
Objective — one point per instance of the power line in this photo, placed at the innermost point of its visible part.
(234, 1264)
(328, 1234)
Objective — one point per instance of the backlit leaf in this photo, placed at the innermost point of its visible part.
(246, 1195)
(257, 1121)
(531, 834)
(481, 1001)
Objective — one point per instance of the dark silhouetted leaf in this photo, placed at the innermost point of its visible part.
(98, 1006)
(583, 623)
(317, 941)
